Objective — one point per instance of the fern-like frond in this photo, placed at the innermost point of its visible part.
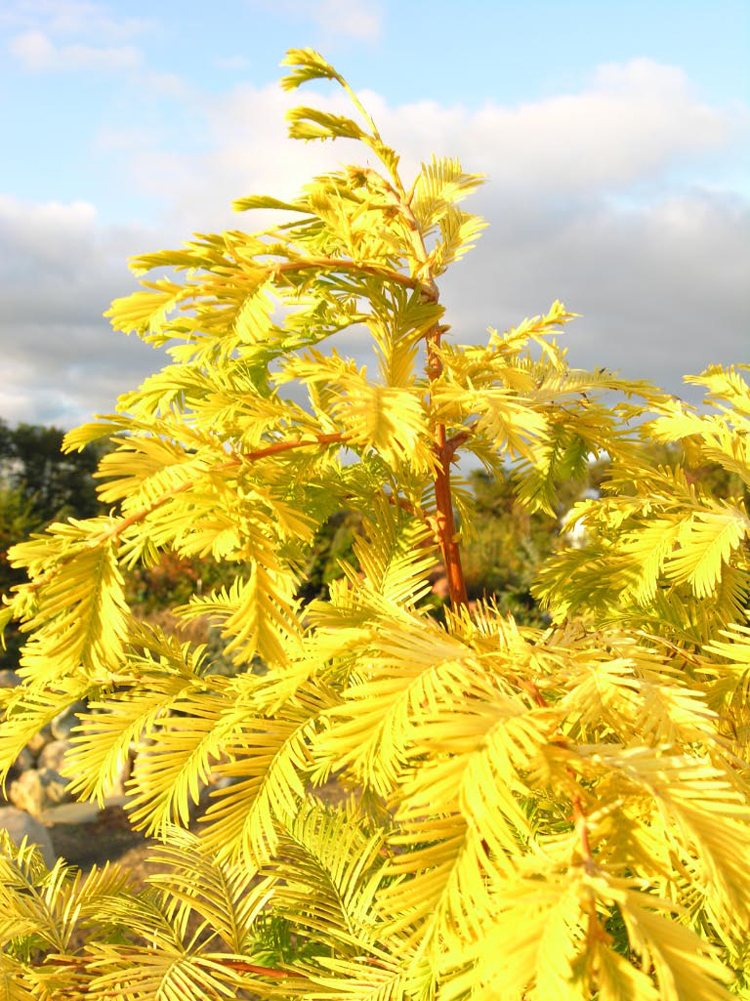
(707, 543)
(177, 973)
(440, 184)
(103, 739)
(267, 761)
(227, 897)
(257, 615)
(182, 748)
(534, 942)
(415, 668)
(331, 867)
(395, 555)
(701, 812)
(28, 709)
(80, 619)
(308, 65)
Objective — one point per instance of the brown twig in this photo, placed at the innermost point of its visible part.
(580, 819)
(261, 971)
(260, 453)
(233, 964)
(116, 530)
(534, 692)
(337, 437)
(343, 264)
(428, 519)
(581, 824)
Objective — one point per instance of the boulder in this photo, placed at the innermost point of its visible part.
(40, 740)
(52, 754)
(19, 824)
(64, 722)
(23, 762)
(117, 789)
(38, 790)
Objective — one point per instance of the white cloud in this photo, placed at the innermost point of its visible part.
(619, 138)
(632, 122)
(36, 52)
(354, 18)
(71, 34)
(332, 19)
(72, 17)
(581, 201)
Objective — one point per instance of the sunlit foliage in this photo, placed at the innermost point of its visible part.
(407, 809)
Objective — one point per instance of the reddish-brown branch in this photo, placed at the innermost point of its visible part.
(534, 692)
(114, 531)
(445, 523)
(580, 820)
(343, 264)
(444, 520)
(233, 964)
(581, 824)
(456, 441)
(261, 971)
(284, 446)
(260, 453)
(582, 827)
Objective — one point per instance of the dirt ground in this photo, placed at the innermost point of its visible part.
(110, 838)
(107, 839)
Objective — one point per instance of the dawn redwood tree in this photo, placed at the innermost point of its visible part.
(410, 809)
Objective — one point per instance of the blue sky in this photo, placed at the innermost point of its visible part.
(614, 137)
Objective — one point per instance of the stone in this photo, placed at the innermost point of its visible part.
(39, 789)
(19, 824)
(52, 754)
(23, 762)
(70, 813)
(26, 792)
(64, 722)
(55, 787)
(39, 740)
(9, 679)
(117, 789)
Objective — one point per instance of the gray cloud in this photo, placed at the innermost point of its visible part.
(662, 289)
(59, 269)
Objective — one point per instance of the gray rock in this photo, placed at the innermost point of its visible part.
(19, 824)
(26, 792)
(40, 740)
(52, 754)
(64, 722)
(74, 814)
(55, 787)
(117, 788)
(9, 679)
(38, 790)
(23, 762)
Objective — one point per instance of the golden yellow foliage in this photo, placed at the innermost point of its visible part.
(520, 814)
